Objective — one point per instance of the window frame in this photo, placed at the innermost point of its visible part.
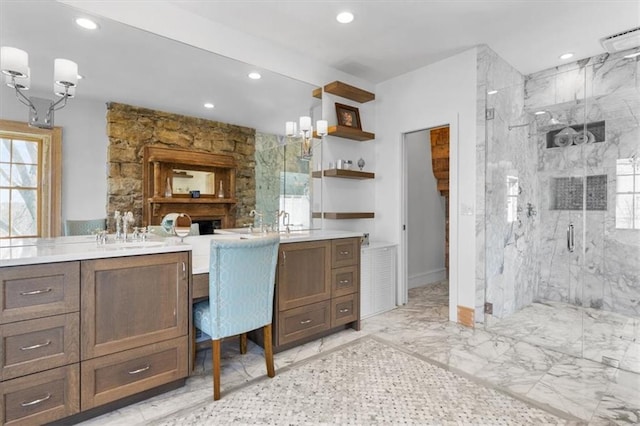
(50, 178)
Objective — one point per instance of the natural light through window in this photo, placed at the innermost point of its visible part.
(19, 189)
(628, 193)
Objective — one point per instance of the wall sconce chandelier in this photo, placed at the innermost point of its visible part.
(306, 133)
(14, 64)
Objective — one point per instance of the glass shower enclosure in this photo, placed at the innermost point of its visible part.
(561, 210)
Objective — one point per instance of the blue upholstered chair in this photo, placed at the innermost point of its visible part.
(241, 289)
(84, 227)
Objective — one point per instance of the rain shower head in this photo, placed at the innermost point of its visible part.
(551, 122)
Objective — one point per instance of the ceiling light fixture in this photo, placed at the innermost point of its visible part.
(492, 92)
(255, 75)
(14, 64)
(344, 17)
(306, 132)
(566, 55)
(208, 105)
(86, 23)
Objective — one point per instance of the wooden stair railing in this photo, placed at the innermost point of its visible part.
(440, 164)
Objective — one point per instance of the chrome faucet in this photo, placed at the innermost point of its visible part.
(117, 216)
(285, 221)
(126, 220)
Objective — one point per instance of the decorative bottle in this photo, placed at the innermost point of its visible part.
(221, 191)
(167, 190)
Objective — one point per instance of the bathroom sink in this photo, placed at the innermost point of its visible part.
(132, 245)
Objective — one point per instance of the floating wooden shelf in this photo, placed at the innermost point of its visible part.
(350, 133)
(316, 215)
(349, 215)
(349, 174)
(317, 174)
(344, 90)
(317, 93)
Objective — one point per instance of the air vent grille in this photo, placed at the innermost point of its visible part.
(622, 41)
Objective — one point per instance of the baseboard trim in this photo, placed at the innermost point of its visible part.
(425, 278)
(466, 316)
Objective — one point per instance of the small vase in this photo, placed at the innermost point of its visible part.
(221, 191)
(167, 190)
(361, 164)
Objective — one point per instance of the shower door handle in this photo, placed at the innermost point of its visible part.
(570, 241)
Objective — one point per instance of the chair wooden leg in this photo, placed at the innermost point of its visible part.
(215, 358)
(243, 343)
(268, 351)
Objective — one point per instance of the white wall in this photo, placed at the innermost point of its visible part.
(442, 93)
(84, 152)
(425, 214)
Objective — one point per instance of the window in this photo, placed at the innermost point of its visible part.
(628, 193)
(512, 198)
(29, 181)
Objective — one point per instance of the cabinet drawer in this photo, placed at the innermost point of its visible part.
(344, 309)
(200, 286)
(304, 321)
(40, 398)
(35, 345)
(345, 252)
(116, 376)
(344, 281)
(37, 291)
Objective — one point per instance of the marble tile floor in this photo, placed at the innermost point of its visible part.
(588, 333)
(596, 393)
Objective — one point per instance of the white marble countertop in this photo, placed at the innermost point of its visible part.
(31, 251)
(200, 243)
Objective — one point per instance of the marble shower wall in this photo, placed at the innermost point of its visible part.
(507, 235)
(603, 272)
(276, 155)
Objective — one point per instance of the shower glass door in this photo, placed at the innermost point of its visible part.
(562, 208)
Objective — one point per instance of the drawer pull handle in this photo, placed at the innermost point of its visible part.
(344, 281)
(342, 311)
(29, 293)
(305, 321)
(140, 370)
(36, 401)
(343, 253)
(39, 345)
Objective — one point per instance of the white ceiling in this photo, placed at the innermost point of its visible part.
(389, 38)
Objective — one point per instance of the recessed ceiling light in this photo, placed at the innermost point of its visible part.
(344, 17)
(80, 77)
(86, 23)
(255, 75)
(540, 112)
(208, 105)
(492, 92)
(632, 55)
(566, 55)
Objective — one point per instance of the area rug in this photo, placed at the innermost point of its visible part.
(365, 382)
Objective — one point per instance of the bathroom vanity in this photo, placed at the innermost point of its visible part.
(317, 284)
(87, 327)
(84, 325)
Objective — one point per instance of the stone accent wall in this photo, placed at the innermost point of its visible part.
(131, 128)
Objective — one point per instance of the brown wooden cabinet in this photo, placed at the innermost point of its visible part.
(317, 290)
(130, 336)
(134, 325)
(39, 370)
